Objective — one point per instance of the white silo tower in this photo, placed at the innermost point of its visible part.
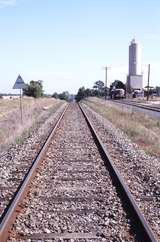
(134, 58)
(135, 78)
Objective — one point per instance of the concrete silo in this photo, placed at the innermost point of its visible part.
(135, 78)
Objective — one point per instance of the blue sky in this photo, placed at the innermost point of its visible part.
(67, 43)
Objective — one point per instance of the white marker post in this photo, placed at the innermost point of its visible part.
(19, 84)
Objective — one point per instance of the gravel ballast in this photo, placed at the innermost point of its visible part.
(140, 170)
(72, 197)
(16, 160)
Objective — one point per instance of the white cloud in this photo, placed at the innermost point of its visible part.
(5, 3)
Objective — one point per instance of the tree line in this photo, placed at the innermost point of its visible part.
(97, 90)
(35, 89)
(63, 96)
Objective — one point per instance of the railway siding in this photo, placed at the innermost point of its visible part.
(150, 110)
(140, 171)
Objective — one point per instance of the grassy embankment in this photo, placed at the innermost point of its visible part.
(34, 110)
(140, 128)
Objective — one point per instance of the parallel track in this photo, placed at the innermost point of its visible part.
(138, 105)
(140, 224)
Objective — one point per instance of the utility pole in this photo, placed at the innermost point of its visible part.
(106, 76)
(148, 82)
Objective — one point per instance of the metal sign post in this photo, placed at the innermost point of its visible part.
(21, 106)
(19, 84)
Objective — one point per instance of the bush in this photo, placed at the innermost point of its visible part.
(81, 94)
(63, 96)
(34, 89)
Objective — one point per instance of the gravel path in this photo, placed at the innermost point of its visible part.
(17, 159)
(72, 197)
(140, 171)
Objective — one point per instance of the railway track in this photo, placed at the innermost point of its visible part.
(140, 171)
(15, 162)
(73, 196)
(138, 105)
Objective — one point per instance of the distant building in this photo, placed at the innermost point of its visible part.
(135, 77)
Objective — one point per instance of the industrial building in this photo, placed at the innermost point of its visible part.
(135, 77)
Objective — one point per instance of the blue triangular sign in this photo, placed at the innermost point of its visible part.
(19, 84)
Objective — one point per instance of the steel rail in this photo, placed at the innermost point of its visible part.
(141, 102)
(153, 108)
(150, 108)
(9, 215)
(141, 225)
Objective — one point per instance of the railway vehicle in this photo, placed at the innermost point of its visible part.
(117, 93)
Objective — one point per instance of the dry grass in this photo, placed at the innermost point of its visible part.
(140, 128)
(11, 128)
